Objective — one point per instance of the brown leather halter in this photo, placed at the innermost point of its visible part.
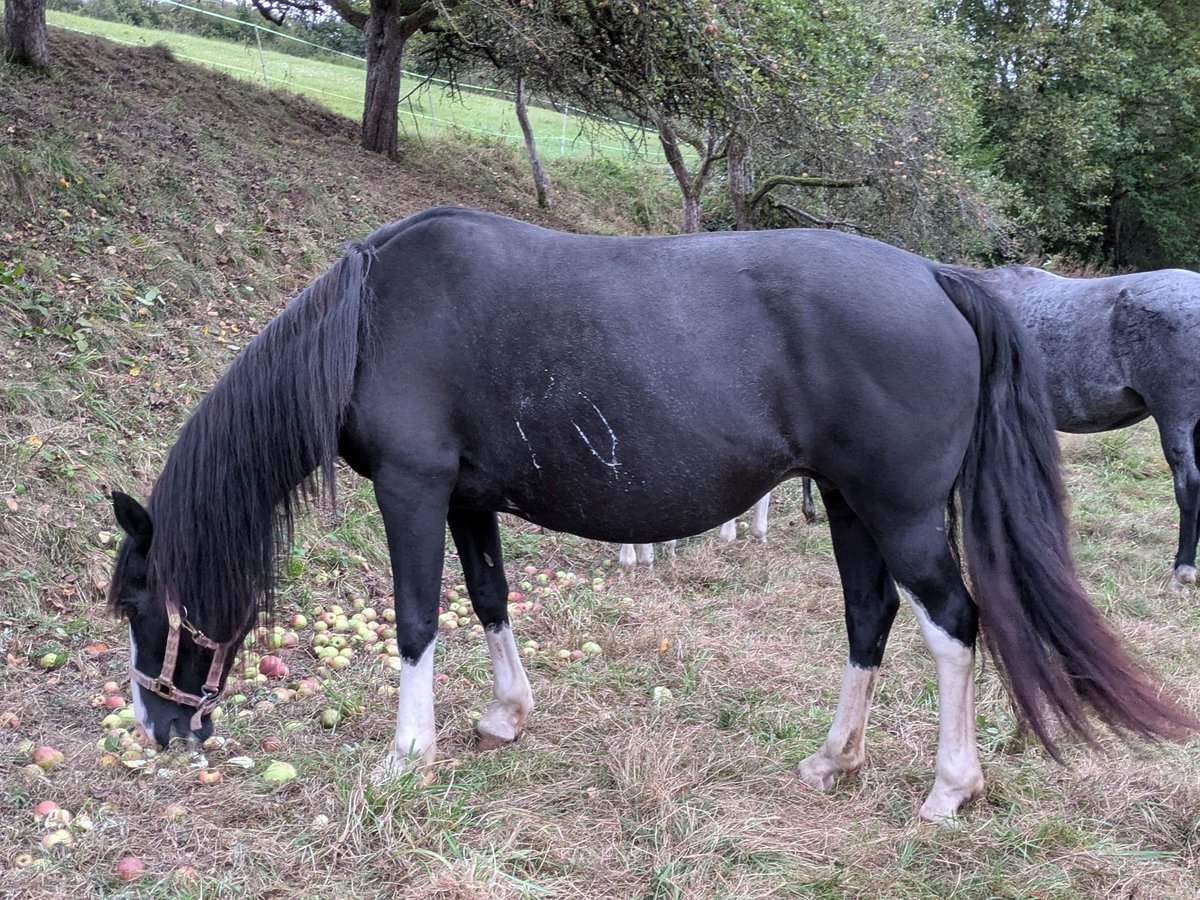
(164, 687)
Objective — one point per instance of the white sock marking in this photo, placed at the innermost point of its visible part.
(415, 732)
(957, 775)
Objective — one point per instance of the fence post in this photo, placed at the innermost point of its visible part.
(562, 141)
(261, 60)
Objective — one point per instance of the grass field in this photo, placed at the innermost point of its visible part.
(426, 107)
(152, 217)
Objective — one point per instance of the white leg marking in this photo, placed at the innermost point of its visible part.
(670, 545)
(957, 775)
(761, 508)
(645, 554)
(504, 719)
(844, 750)
(729, 531)
(627, 556)
(415, 743)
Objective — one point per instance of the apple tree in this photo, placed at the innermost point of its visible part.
(387, 25)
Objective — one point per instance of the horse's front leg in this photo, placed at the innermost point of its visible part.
(477, 536)
(414, 508)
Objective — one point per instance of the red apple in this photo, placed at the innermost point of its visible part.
(9, 720)
(130, 868)
(110, 687)
(114, 701)
(208, 776)
(45, 808)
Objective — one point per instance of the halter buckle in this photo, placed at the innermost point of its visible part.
(164, 689)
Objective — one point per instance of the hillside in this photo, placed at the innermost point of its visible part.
(157, 214)
(152, 217)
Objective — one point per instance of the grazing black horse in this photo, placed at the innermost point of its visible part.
(1117, 350)
(635, 390)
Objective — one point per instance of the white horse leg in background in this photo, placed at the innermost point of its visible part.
(643, 554)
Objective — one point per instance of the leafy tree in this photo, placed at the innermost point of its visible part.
(25, 32)
(1090, 108)
(387, 25)
(791, 103)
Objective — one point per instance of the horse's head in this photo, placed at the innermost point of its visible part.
(178, 673)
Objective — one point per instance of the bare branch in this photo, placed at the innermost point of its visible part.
(803, 181)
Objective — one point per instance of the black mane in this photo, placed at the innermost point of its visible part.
(260, 445)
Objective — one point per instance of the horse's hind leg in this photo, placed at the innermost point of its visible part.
(919, 558)
(1179, 443)
(871, 604)
(631, 555)
(477, 536)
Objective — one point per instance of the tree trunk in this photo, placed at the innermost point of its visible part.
(741, 182)
(691, 188)
(541, 181)
(25, 32)
(386, 37)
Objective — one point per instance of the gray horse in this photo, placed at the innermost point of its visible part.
(1117, 350)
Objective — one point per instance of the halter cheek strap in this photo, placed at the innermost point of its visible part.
(165, 687)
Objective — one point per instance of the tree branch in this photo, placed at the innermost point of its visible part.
(803, 181)
(800, 215)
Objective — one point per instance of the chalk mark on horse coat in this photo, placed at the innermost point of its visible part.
(611, 464)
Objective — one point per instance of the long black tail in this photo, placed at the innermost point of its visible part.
(1055, 652)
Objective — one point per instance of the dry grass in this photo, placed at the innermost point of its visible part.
(609, 794)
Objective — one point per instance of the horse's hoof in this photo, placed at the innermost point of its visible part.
(818, 773)
(486, 742)
(396, 764)
(1183, 575)
(941, 807)
(501, 724)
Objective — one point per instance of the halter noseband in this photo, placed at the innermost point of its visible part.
(164, 687)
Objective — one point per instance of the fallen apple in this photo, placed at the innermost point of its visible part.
(59, 837)
(114, 701)
(58, 818)
(110, 687)
(208, 776)
(44, 808)
(22, 861)
(330, 718)
(278, 773)
(47, 758)
(53, 659)
(9, 720)
(130, 868)
(174, 812)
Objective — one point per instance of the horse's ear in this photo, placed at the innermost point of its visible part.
(133, 518)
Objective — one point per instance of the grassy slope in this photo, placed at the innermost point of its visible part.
(338, 84)
(161, 214)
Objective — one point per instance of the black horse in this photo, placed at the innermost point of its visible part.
(1117, 350)
(635, 390)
